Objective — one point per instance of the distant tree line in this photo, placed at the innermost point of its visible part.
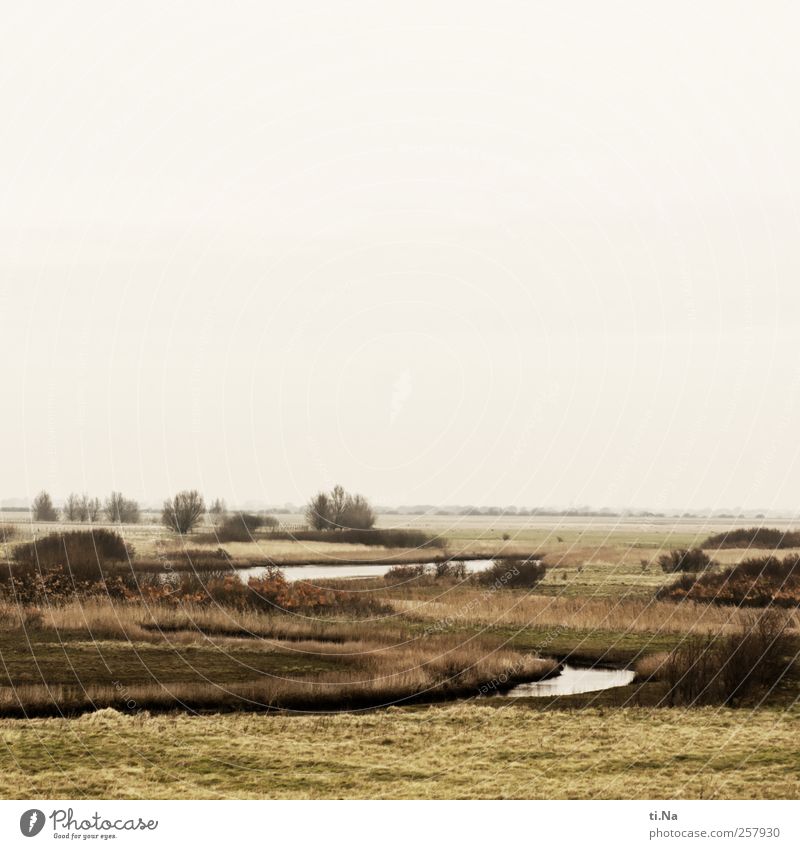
(116, 509)
(337, 510)
(80, 508)
(182, 513)
(471, 510)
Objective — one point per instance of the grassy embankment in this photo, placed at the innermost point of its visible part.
(491, 750)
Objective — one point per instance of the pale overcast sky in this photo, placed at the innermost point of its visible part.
(492, 253)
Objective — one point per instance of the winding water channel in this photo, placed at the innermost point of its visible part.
(345, 570)
(573, 680)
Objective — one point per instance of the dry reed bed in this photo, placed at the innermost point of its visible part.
(400, 677)
(373, 665)
(482, 607)
(103, 618)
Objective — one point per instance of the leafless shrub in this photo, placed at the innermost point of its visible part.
(731, 668)
(754, 538)
(513, 572)
(239, 527)
(385, 537)
(755, 582)
(81, 553)
(451, 569)
(684, 560)
(406, 572)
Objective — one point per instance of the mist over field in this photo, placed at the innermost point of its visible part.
(446, 254)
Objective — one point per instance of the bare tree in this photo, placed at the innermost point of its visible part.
(72, 508)
(89, 510)
(184, 512)
(43, 510)
(339, 510)
(338, 502)
(120, 509)
(318, 512)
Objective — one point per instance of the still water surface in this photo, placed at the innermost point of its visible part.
(345, 570)
(573, 680)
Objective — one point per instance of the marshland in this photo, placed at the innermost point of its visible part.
(516, 630)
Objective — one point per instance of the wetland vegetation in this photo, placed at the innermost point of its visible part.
(88, 627)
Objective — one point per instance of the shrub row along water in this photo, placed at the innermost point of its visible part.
(754, 538)
(727, 669)
(755, 582)
(511, 572)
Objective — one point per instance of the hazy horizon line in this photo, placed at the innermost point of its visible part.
(20, 504)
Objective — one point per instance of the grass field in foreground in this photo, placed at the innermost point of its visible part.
(468, 750)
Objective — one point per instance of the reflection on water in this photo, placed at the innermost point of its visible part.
(345, 570)
(573, 680)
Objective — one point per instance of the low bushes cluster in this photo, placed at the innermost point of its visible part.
(513, 573)
(510, 572)
(239, 527)
(754, 538)
(727, 669)
(426, 573)
(407, 572)
(684, 560)
(271, 593)
(196, 560)
(455, 569)
(755, 582)
(83, 554)
(386, 537)
(56, 586)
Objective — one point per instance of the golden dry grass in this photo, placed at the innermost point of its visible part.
(312, 664)
(652, 666)
(455, 751)
(374, 679)
(471, 606)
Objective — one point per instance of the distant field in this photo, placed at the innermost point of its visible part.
(586, 556)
